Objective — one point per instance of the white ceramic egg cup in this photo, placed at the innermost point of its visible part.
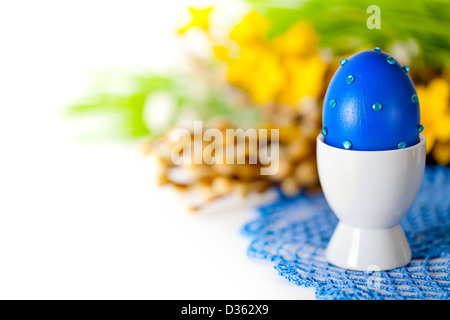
(370, 192)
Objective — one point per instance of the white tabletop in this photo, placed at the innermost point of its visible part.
(83, 219)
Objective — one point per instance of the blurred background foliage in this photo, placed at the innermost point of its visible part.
(339, 24)
(271, 69)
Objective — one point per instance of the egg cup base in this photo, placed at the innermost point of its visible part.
(368, 249)
(370, 192)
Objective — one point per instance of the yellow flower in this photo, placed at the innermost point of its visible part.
(241, 67)
(441, 152)
(252, 28)
(221, 52)
(305, 78)
(255, 69)
(298, 41)
(258, 71)
(299, 48)
(200, 18)
(267, 78)
(435, 117)
(282, 70)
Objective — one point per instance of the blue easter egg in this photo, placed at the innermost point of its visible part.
(371, 104)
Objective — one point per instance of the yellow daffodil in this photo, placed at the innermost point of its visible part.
(283, 69)
(435, 109)
(252, 28)
(240, 68)
(200, 18)
(305, 78)
(441, 152)
(258, 71)
(267, 78)
(299, 41)
(221, 52)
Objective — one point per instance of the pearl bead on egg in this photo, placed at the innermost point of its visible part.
(350, 79)
(390, 60)
(347, 144)
(377, 106)
(420, 128)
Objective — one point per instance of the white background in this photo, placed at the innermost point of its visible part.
(84, 220)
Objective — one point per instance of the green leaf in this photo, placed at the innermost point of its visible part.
(129, 105)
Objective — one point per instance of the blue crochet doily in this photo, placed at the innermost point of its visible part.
(293, 233)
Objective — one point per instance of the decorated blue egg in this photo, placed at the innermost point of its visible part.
(371, 104)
